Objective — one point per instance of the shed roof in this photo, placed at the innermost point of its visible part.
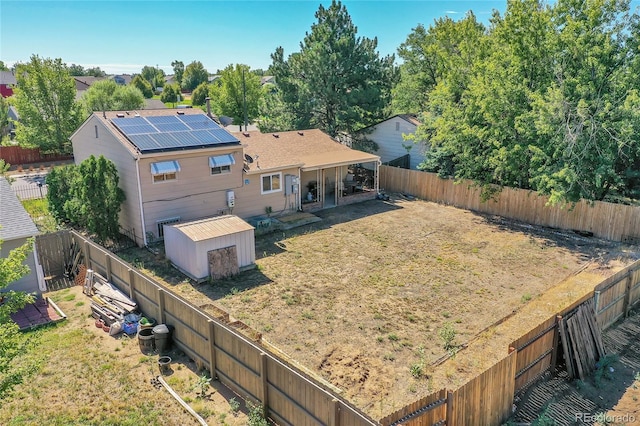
(15, 222)
(219, 226)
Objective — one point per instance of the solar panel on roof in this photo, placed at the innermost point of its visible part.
(163, 119)
(167, 132)
(172, 127)
(144, 142)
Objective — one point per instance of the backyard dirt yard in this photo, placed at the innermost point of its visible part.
(367, 298)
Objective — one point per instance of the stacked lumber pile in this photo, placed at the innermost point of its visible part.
(107, 302)
(581, 341)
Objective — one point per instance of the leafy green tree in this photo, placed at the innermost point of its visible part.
(199, 94)
(61, 182)
(274, 115)
(4, 117)
(337, 82)
(194, 75)
(3, 67)
(87, 195)
(238, 88)
(142, 85)
(12, 342)
(170, 93)
(45, 99)
(107, 95)
(155, 76)
(76, 70)
(12, 268)
(178, 71)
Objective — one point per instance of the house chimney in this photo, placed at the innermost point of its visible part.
(208, 99)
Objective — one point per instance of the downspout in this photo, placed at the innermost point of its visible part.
(144, 227)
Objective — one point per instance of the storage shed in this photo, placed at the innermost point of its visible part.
(216, 247)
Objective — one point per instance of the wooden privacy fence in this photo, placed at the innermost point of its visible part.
(17, 155)
(488, 398)
(615, 222)
(485, 400)
(289, 396)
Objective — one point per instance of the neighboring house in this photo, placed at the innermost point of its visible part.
(178, 165)
(123, 78)
(7, 83)
(13, 118)
(267, 79)
(16, 227)
(83, 83)
(154, 104)
(388, 135)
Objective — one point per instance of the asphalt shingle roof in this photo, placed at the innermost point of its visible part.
(15, 222)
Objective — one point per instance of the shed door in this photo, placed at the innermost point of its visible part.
(223, 262)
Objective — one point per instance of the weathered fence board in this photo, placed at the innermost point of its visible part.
(614, 222)
(487, 399)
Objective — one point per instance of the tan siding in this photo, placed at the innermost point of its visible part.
(250, 202)
(194, 194)
(85, 144)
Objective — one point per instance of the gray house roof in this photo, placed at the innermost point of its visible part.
(15, 222)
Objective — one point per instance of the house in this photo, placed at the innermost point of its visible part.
(123, 78)
(83, 83)
(392, 147)
(7, 83)
(16, 227)
(179, 165)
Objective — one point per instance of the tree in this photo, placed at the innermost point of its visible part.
(87, 195)
(238, 91)
(199, 94)
(61, 182)
(178, 71)
(101, 197)
(45, 99)
(546, 100)
(79, 70)
(12, 268)
(273, 113)
(337, 82)
(107, 95)
(194, 75)
(12, 343)
(142, 85)
(3, 67)
(170, 93)
(155, 76)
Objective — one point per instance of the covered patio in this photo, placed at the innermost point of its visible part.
(338, 178)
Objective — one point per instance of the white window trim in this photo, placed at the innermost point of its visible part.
(223, 170)
(262, 191)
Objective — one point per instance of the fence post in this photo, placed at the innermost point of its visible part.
(627, 295)
(161, 318)
(108, 267)
(132, 279)
(449, 418)
(596, 301)
(87, 255)
(212, 349)
(335, 414)
(556, 337)
(265, 385)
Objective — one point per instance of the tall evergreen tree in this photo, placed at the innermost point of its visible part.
(337, 82)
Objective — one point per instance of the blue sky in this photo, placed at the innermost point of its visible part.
(122, 37)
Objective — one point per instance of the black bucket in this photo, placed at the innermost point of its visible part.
(164, 364)
(146, 340)
(162, 337)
